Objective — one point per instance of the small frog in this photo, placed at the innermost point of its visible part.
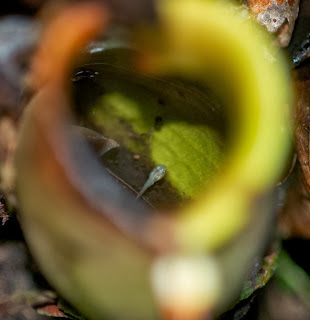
(156, 174)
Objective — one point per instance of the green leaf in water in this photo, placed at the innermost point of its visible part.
(186, 143)
(192, 153)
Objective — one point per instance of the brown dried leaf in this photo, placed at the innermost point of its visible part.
(295, 217)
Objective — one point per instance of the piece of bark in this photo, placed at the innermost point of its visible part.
(302, 120)
(278, 16)
(294, 219)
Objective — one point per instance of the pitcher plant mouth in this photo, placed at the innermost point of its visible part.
(78, 203)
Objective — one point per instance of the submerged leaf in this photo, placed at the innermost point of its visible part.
(176, 124)
(97, 141)
(192, 153)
